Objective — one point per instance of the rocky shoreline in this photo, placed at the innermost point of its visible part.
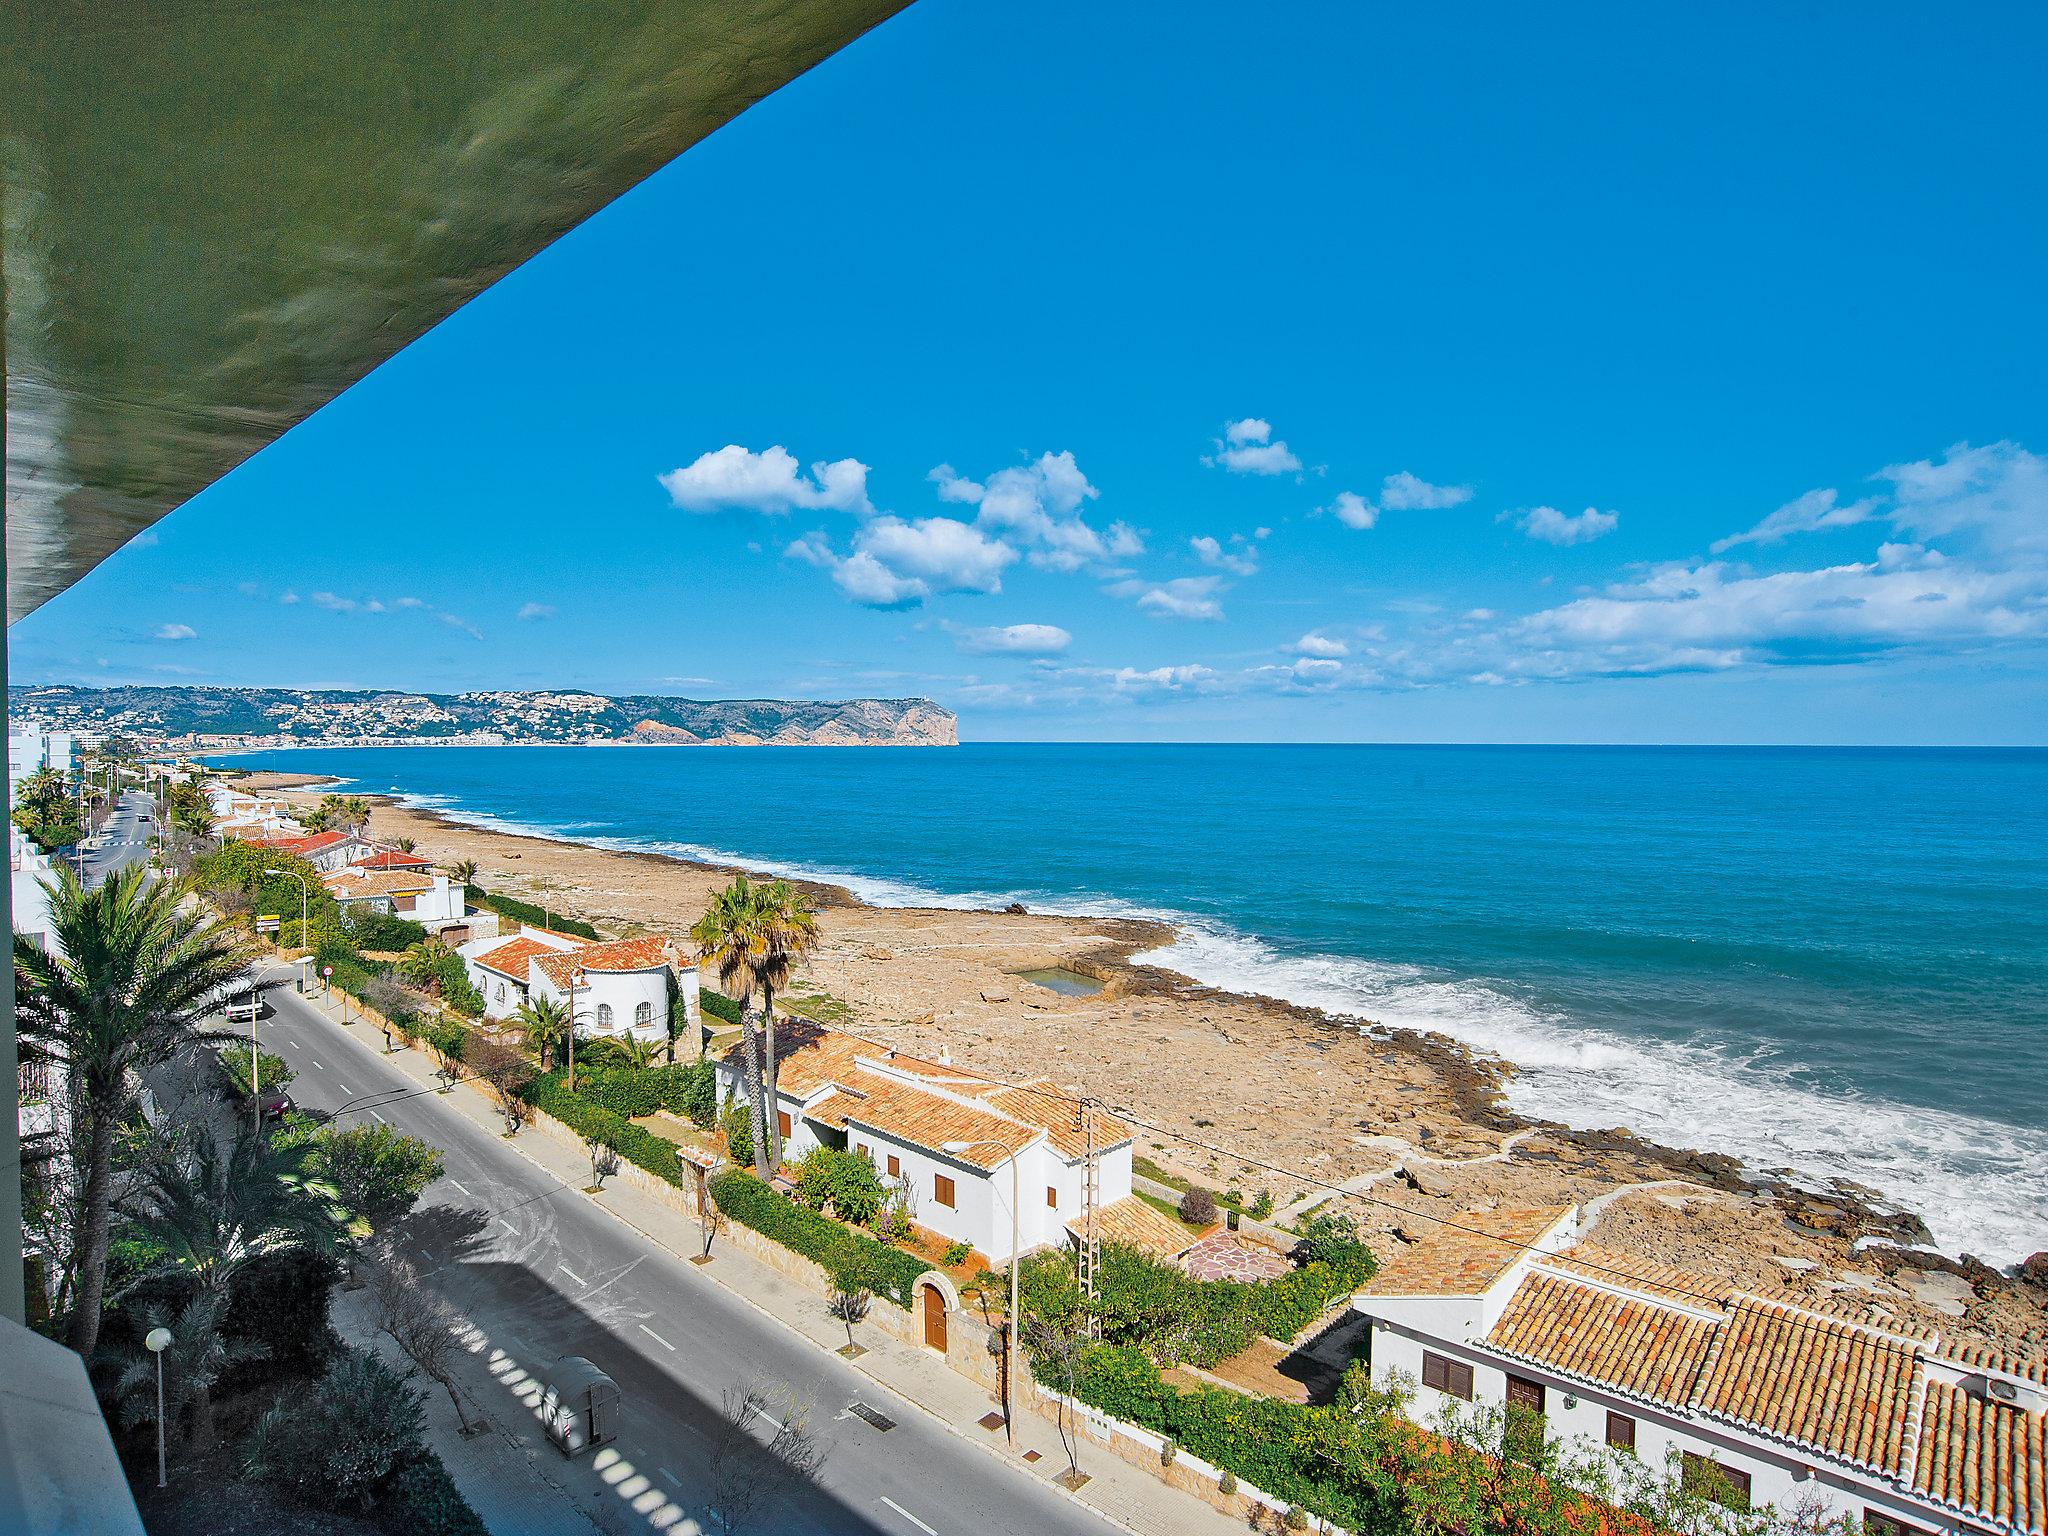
(1412, 1126)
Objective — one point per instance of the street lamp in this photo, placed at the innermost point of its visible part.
(576, 979)
(1010, 1332)
(158, 1341)
(294, 874)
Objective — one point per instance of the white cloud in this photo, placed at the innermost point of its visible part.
(408, 602)
(1555, 527)
(1250, 430)
(1012, 640)
(1240, 557)
(1808, 514)
(1996, 495)
(867, 581)
(736, 478)
(455, 621)
(952, 556)
(1162, 679)
(1403, 492)
(1248, 447)
(1038, 506)
(288, 598)
(1186, 597)
(176, 632)
(334, 604)
(1352, 510)
(147, 539)
(954, 486)
(528, 612)
(248, 588)
(1319, 646)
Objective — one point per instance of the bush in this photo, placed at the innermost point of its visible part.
(1330, 1239)
(345, 1447)
(747, 1200)
(686, 1089)
(955, 1254)
(642, 1148)
(527, 912)
(271, 1071)
(433, 1505)
(1198, 1206)
(383, 930)
(1159, 1308)
(719, 1006)
(280, 1301)
(844, 1180)
(738, 1125)
(1262, 1207)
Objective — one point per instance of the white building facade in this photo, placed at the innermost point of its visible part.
(619, 988)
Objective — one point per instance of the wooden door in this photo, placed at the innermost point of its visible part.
(934, 1319)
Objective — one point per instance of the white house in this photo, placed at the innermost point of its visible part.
(425, 897)
(329, 852)
(620, 987)
(948, 1138)
(1849, 1410)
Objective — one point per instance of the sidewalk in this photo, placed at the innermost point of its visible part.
(1126, 1495)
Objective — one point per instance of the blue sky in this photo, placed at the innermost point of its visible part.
(1611, 374)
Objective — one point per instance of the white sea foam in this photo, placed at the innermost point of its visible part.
(1976, 1183)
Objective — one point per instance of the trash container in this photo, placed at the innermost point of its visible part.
(580, 1408)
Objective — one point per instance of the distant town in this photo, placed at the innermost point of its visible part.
(229, 719)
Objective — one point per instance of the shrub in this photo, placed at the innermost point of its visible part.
(1262, 1207)
(638, 1146)
(738, 1125)
(747, 1200)
(955, 1254)
(382, 930)
(688, 1089)
(844, 1180)
(433, 1505)
(344, 1447)
(1198, 1206)
(719, 1006)
(271, 1071)
(280, 1302)
(1227, 1483)
(1297, 1518)
(527, 912)
(1329, 1239)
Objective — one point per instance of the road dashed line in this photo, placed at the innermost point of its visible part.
(906, 1514)
(565, 1269)
(664, 1343)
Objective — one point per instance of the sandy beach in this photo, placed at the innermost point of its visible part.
(1234, 1089)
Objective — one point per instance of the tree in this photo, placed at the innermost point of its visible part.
(185, 808)
(507, 1071)
(377, 1171)
(132, 976)
(853, 1292)
(545, 1022)
(418, 1322)
(1057, 1347)
(405, 845)
(362, 1427)
(632, 1052)
(463, 872)
(789, 930)
(745, 1476)
(198, 1356)
(730, 936)
(604, 1161)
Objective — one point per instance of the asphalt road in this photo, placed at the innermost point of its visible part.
(545, 1275)
(123, 840)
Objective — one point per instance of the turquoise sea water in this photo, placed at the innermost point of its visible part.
(1833, 961)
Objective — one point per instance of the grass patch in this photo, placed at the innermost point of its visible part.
(820, 1007)
(1160, 1202)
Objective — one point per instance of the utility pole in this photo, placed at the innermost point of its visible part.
(1091, 1192)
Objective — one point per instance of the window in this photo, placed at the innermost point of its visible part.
(643, 1015)
(1877, 1523)
(864, 1150)
(942, 1190)
(1714, 1480)
(1621, 1432)
(1525, 1418)
(1052, 1198)
(604, 1015)
(895, 1166)
(1452, 1376)
(501, 991)
(782, 1123)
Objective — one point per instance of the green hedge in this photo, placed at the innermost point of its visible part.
(642, 1148)
(688, 1088)
(432, 1504)
(775, 1216)
(527, 912)
(719, 1006)
(1143, 1302)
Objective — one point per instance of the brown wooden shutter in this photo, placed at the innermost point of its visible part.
(895, 1166)
(1621, 1431)
(1052, 1197)
(942, 1189)
(1433, 1370)
(782, 1123)
(1524, 1393)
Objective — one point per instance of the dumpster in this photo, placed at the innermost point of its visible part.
(580, 1408)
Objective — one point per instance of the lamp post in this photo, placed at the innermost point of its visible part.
(302, 914)
(158, 1341)
(1010, 1332)
(575, 981)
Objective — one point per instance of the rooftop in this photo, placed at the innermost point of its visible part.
(618, 955)
(1464, 1260)
(509, 958)
(356, 884)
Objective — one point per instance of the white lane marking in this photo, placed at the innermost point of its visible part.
(508, 1226)
(906, 1514)
(664, 1343)
(293, 1044)
(345, 1088)
(461, 1186)
(673, 1480)
(318, 1068)
(378, 1118)
(775, 1421)
(565, 1269)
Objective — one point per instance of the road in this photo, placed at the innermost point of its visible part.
(545, 1274)
(121, 841)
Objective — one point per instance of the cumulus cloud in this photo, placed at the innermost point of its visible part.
(1322, 647)
(736, 478)
(1352, 510)
(1012, 640)
(1039, 508)
(1162, 679)
(897, 562)
(1996, 496)
(1240, 557)
(1186, 597)
(869, 582)
(176, 632)
(1248, 447)
(954, 486)
(1808, 514)
(456, 621)
(528, 612)
(1403, 492)
(1555, 527)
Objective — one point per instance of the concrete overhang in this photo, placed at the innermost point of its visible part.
(218, 216)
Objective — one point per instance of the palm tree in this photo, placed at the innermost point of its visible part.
(789, 930)
(463, 872)
(634, 1052)
(199, 1355)
(545, 1021)
(130, 979)
(354, 813)
(730, 936)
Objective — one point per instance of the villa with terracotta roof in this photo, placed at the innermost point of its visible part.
(953, 1141)
(616, 988)
(425, 897)
(1865, 1415)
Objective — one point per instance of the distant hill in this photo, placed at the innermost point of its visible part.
(223, 717)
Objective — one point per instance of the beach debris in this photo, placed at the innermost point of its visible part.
(1015, 909)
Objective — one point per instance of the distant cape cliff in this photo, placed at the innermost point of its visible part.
(219, 718)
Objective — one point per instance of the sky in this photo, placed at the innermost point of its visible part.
(1314, 373)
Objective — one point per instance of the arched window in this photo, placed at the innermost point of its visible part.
(643, 1015)
(604, 1015)
(501, 991)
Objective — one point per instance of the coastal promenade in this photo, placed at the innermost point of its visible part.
(543, 1270)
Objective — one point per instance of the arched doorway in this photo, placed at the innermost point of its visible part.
(936, 1302)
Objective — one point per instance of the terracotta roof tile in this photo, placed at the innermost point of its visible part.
(1983, 1457)
(930, 1120)
(1135, 1224)
(1608, 1266)
(833, 1108)
(1465, 1260)
(618, 955)
(1649, 1350)
(359, 884)
(391, 858)
(509, 958)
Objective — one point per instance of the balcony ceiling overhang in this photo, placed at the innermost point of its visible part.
(218, 216)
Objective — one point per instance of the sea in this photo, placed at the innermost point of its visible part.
(1826, 962)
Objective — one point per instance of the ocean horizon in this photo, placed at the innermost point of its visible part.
(1830, 962)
